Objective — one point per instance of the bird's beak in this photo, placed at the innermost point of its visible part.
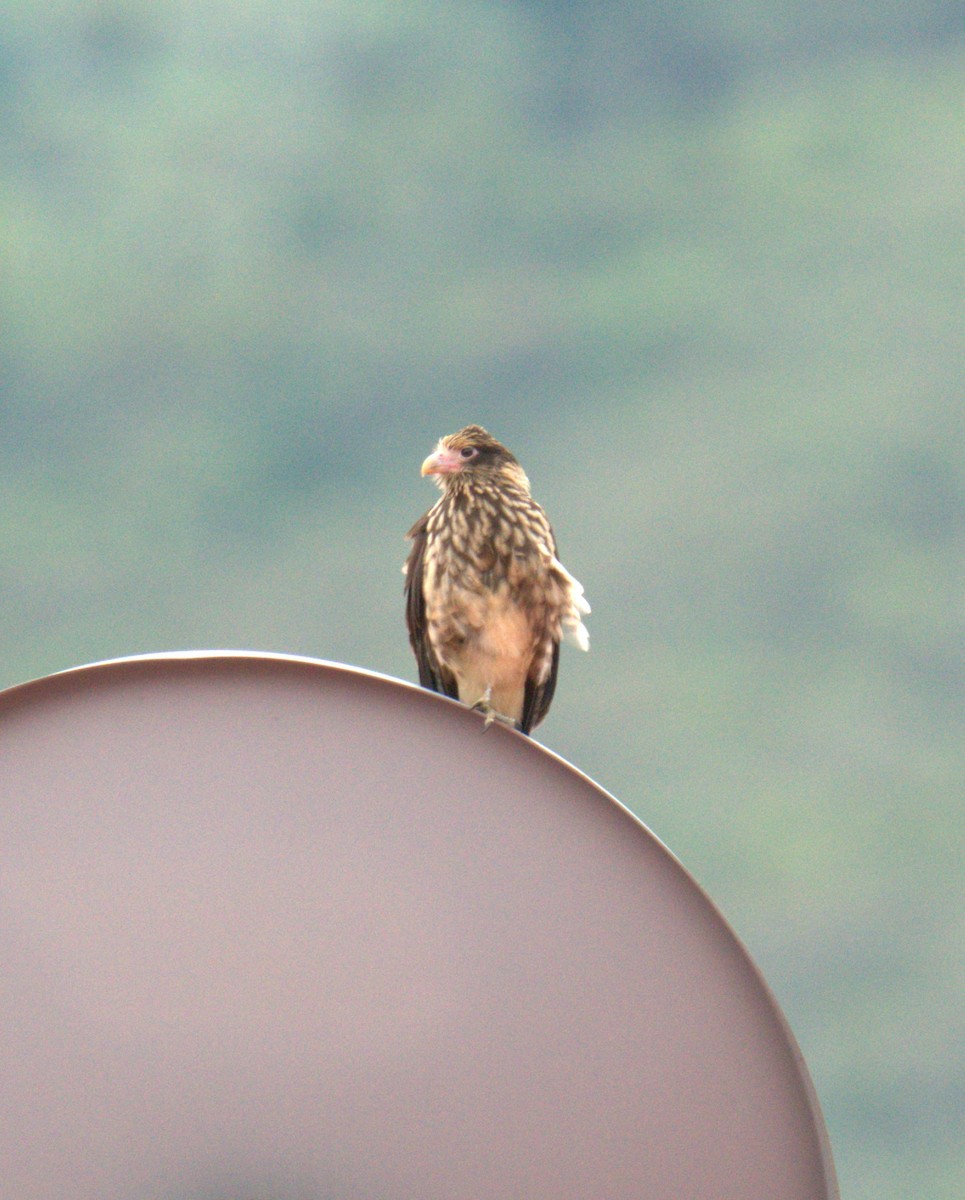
(442, 461)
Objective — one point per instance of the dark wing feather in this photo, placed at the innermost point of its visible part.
(538, 697)
(432, 674)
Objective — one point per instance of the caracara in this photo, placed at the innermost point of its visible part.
(487, 600)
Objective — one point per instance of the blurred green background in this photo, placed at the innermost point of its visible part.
(699, 265)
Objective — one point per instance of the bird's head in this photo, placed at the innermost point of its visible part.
(473, 455)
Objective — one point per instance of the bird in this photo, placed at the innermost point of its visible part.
(487, 600)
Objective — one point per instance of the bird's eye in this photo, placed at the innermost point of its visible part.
(468, 452)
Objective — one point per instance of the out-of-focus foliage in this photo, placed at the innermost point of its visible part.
(700, 266)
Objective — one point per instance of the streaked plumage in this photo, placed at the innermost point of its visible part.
(487, 600)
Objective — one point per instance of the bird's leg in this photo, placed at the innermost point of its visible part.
(484, 706)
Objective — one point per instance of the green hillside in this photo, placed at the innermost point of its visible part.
(699, 266)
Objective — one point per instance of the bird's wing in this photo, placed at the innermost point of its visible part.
(432, 674)
(538, 696)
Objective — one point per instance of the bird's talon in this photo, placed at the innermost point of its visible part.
(483, 706)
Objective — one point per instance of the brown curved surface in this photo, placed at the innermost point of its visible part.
(276, 927)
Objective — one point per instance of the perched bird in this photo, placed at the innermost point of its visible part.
(487, 600)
